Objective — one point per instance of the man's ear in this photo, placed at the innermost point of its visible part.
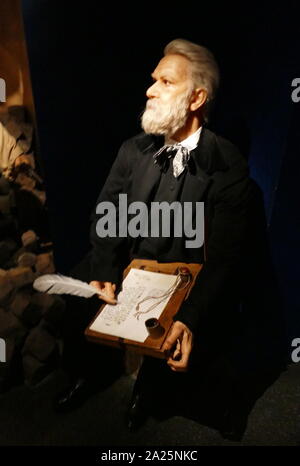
(198, 99)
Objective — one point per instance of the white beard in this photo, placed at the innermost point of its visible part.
(166, 119)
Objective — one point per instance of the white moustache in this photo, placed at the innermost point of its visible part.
(151, 105)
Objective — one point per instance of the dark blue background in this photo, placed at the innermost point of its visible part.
(90, 67)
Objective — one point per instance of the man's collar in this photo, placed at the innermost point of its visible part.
(148, 142)
(205, 155)
(190, 142)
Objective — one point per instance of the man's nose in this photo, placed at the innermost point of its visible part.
(152, 91)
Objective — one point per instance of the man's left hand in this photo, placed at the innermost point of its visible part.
(180, 338)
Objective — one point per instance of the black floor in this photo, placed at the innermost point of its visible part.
(27, 418)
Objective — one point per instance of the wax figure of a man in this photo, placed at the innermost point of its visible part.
(211, 170)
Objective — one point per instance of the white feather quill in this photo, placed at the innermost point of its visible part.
(60, 284)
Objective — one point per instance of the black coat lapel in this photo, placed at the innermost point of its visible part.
(204, 161)
(146, 174)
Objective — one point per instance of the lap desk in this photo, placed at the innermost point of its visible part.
(151, 294)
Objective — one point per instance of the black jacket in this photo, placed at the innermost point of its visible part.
(235, 256)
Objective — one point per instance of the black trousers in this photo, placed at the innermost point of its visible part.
(82, 358)
(212, 385)
(207, 386)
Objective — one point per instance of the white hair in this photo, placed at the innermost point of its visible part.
(204, 68)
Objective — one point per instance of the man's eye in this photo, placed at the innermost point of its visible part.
(166, 82)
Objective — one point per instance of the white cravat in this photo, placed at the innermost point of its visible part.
(182, 149)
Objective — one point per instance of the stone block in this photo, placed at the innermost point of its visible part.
(26, 259)
(11, 327)
(44, 263)
(7, 248)
(5, 203)
(21, 276)
(28, 237)
(6, 287)
(24, 309)
(40, 344)
(52, 308)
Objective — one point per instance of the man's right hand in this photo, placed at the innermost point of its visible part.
(107, 288)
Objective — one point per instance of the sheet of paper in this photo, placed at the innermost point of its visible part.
(141, 291)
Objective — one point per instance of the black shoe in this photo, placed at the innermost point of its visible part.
(74, 396)
(137, 413)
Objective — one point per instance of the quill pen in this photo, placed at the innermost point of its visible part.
(60, 284)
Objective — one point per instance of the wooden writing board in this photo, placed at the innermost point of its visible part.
(152, 345)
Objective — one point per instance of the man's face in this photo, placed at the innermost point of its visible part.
(169, 96)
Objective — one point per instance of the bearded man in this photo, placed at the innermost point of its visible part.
(176, 158)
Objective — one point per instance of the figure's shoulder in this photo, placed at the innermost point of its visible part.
(138, 139)
(142, 143)
(129, 147)
(225, 149)
(223, 161)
